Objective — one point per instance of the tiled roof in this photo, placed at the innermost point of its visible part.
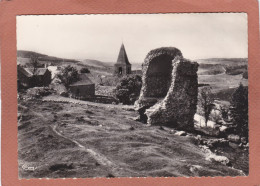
(84, 80)
(39, 71)
(24, 71)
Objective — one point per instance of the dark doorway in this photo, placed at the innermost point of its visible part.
(120, 70)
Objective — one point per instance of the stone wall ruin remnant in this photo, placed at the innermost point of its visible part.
(170, 88)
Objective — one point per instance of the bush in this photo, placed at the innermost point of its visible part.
(39, 92)
(245, 75)
(84, 70)
(68, 75)
(128, 89)
(205, 102)
(239, 110)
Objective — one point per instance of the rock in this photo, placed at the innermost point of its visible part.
(221, 159)
(161, 128)
(181, 133)
(172, 131)
(243, 140)
(234, 138)
(216, 142)
(223, 128)
(195, 168)
(233, 145)
(198, 137)
(131, 128)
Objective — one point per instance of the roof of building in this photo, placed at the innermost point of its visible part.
(122, 56)
(29, 71)
(84, 80)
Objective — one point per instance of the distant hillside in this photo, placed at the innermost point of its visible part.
(226, 61)
(96, 63)
(214, 66)
(23, 57)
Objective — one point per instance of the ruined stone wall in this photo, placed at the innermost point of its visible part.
(176, 105)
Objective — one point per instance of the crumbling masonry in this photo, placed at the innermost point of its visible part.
(170, 88)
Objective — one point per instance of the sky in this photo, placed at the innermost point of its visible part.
(99, 37)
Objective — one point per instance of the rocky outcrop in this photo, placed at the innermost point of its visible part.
(169, 91)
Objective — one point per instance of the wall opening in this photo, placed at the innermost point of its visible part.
(159, 76)
(120, 70)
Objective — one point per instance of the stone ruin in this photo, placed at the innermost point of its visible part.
(169, 91)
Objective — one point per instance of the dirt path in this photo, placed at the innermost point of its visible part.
(53, 98)
(101, 159)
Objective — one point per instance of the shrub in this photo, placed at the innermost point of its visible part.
(239, 110)
(128, 89)
(84, 70)
(68, 75)
(245, 75)
(205, 102)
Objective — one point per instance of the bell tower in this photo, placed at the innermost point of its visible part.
(122, 66)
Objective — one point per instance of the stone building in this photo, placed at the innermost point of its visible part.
(82, 89)
(30, 77)
(122, 66)
(170, 88)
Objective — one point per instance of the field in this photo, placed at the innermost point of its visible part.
(223, 75)
(101, 140)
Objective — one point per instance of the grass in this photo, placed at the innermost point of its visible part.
(97, 140)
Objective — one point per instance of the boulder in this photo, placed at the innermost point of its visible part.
(243, 140)
(234, 138)
(221, 159)
(181, 133)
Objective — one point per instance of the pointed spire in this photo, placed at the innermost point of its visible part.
(122, 56)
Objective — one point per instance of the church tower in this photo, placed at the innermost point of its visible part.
(122, 66)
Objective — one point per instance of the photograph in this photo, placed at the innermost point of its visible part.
(132, 95)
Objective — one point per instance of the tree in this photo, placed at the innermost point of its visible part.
(239, 110)
(34, 62)
(84, 70)
(205, 102)
(101, 77)
(68, 75)
(128, 89)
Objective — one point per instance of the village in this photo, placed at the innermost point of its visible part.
(167, 95)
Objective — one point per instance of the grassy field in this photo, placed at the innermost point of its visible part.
(98, 140)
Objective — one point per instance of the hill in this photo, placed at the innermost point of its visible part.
(23, 56)
(226, 61)
(96, 63)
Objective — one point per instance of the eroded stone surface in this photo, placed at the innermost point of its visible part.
(169, 91)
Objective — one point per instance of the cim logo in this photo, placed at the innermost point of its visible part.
(30, 168)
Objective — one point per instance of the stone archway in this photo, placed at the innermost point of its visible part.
(169, 90)
(159, 74)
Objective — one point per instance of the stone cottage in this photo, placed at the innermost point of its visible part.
(170, 88)
(122, 66)
(30, 77)
(82, 89)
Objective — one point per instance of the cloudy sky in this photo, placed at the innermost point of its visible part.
(99, 37)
